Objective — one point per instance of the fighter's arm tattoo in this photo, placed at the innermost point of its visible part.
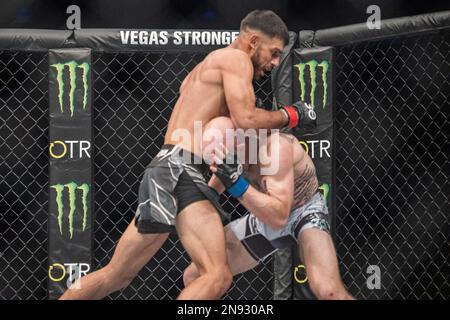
(305, 185)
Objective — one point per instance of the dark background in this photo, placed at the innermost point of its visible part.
(203, 14)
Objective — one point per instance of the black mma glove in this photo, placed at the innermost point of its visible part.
(229, 173)
(300, 115)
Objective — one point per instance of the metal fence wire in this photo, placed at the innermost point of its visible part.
(23, 174)
(392, 166)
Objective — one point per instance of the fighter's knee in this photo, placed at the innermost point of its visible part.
(225, 279)
(326, 289)
(326, 292)
(190, 274)
(221, 279)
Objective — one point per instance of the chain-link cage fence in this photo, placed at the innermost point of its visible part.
(392, 165)
(23, 174)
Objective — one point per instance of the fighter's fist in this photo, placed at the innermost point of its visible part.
(228, 169)
(300, 115)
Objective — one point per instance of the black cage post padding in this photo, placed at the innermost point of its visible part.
(396, 27)
(70, 170)
(34, 39)
(117, 40)
(313, 83)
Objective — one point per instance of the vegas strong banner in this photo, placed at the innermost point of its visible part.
(70, 154)
(312, 80)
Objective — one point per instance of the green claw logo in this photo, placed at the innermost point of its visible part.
(325, 188)
(313, 65)
(72, 66)
(72, 188)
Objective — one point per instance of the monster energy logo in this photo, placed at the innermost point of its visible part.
(71, 187)
(325, 188)
(313, 65)
(72, 67)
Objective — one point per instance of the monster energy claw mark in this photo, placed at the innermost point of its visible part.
(313, 65)
(72, 67)
(325, 188)
(59, 189)
(71, 187)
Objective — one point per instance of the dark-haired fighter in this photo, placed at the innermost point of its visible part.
(173, 193)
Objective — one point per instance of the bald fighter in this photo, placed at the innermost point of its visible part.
(173, 194)
(286, 208)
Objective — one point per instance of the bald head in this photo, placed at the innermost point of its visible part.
(215, 134)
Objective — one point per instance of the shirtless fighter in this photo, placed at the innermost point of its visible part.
(173, 194)
(286, 207)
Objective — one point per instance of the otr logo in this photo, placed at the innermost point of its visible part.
(58, 149)
(323, 147)
(71, 188)
(300, 274)
(57, 272)
(72, 67)
(313, 65)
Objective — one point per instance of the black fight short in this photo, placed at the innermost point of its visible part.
(174, 179)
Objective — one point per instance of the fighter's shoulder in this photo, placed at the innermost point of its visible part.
(284, 139)
(229, 59)
(281, 143)
(288, 138)
(290, 147)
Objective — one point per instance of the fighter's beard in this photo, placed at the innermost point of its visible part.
(256, 66)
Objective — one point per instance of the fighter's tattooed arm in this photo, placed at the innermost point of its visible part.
(272, 203)
(305, 185)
